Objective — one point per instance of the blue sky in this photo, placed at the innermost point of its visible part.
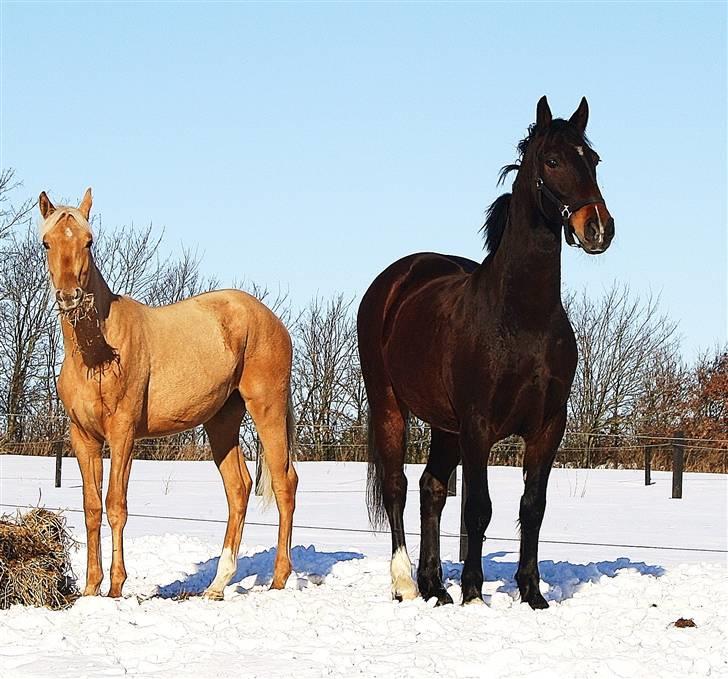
(310, 145)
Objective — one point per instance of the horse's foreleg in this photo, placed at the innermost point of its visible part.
(475, 448)
(223, 431)
(444, 456)
(121, 442)
(88, 453)
(269, 417)
(537, 460)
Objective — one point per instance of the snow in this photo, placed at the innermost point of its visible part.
(612, 608)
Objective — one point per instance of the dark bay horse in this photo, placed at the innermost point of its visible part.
(481, 352)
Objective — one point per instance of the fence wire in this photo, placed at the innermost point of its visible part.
(373, 531)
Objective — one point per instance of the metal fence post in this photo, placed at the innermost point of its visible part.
(258, 467)
(452, 483)
(463, 533)
(678, 462)
(648, 466)
(59, 462)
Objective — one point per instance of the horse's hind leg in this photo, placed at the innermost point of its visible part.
(537, 460)
(271, 415)
(223, 430)
(444, 456)
(389, 431)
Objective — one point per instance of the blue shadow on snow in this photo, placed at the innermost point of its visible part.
(562, 577)
(306, 562)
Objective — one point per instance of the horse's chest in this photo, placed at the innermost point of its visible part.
(524, 384)
(89, 395)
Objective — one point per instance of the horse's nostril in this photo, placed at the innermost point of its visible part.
(591, 230)
(58, 295)
(77, 292)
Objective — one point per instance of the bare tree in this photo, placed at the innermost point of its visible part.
(325, 353)
(619, 337)
(129, 259)
(178, 279)
(24, 322)
(11, 214)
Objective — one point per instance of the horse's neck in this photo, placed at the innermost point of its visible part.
(84, 334)
(527, 264)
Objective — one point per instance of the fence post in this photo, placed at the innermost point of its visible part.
(648, 466)
(678, 462)
(463, 533)
(258, 467)
(59, 462)
(452, 483)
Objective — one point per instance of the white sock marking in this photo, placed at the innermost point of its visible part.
(402, 583)
(226, 567)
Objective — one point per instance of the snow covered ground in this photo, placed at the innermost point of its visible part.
(612, 607)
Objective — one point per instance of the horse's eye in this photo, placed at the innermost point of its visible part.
(45, 245)
(89, 243)
(552, 162)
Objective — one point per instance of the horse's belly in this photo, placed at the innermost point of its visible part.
(185, 399)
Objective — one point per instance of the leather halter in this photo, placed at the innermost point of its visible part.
(566, 211)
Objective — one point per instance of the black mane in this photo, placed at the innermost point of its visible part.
(496, 216)
(496, 219)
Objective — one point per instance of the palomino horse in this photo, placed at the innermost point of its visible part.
(131, 371)
(481, 352)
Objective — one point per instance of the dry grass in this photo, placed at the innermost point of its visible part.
(35, 568)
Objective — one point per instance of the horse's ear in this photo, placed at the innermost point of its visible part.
(46, 207)
(543, 113)
(580, 116)
(85, 206)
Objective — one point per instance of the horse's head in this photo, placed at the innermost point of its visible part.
(564, 178)
(67, 238)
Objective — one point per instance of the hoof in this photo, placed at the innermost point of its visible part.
(472, 593)
(91, 591)
(407, 594)
(279, 583)
(440, 594)
(443, 598)
(212, 595)
(476, 601)
(537, 602)
(531, 595)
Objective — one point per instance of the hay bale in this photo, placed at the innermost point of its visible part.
(35, 566)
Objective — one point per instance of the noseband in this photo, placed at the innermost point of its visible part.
(566, 211)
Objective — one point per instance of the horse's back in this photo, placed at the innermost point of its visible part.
(235, 314)
(409, 275)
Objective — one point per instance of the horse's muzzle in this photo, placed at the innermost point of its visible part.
(597, 237)
(594, 227)
(68, 300)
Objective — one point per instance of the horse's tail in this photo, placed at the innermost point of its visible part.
(375, 497)
(266, 483)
